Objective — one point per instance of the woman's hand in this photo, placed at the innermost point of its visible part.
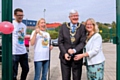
(78, 57)
(37, 30)
(32, 41)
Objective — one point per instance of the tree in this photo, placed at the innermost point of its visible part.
(113, 29)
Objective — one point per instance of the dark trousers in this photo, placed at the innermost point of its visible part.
(23, 60)
(76, 70)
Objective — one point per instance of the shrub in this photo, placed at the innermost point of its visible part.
(29, 31)
(106, 40)
(53, 34)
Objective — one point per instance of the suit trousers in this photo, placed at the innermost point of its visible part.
(71, 66)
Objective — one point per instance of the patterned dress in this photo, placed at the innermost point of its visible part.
(95, 72)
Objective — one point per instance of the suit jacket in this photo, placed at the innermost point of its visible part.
(94, 49)
(64, 40)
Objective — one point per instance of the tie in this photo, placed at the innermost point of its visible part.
(73, 28)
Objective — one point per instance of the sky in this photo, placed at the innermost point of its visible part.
(103, 11)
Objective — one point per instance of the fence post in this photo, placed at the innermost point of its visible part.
(7, 42)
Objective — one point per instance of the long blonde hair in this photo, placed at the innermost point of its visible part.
(96, 29)
(37, 24)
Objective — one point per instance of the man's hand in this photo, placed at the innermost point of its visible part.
(78, 57)
(67, 57)
(70, 51)
(51, 47)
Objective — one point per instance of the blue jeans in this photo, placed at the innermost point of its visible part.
(23, 60)
(41, 65)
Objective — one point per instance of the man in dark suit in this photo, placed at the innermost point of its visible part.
(71, 42)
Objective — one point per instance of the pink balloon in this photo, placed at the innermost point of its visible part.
(6, 27)
(1, 27)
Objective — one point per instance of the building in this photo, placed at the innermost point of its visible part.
(32, 23)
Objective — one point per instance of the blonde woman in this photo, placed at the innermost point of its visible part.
(93, 55)
(41, 39)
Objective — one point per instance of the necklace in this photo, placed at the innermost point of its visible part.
(88, 37)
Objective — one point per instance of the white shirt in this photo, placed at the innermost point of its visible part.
(94, 49)
(18, 38)
(41, 46)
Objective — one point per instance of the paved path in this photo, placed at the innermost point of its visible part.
(109, 50)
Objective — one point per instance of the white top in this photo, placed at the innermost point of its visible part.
(18, 38)
(94, 49)
(41, 46)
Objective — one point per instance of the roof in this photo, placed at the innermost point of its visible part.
(53, 25)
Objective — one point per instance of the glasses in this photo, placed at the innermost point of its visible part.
(75, 16)
(20, 15)
(89, 24)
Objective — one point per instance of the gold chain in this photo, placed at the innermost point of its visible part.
(72, 34)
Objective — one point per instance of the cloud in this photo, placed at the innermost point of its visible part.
(58, 10)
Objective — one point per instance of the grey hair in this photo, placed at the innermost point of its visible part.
(72, 12)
